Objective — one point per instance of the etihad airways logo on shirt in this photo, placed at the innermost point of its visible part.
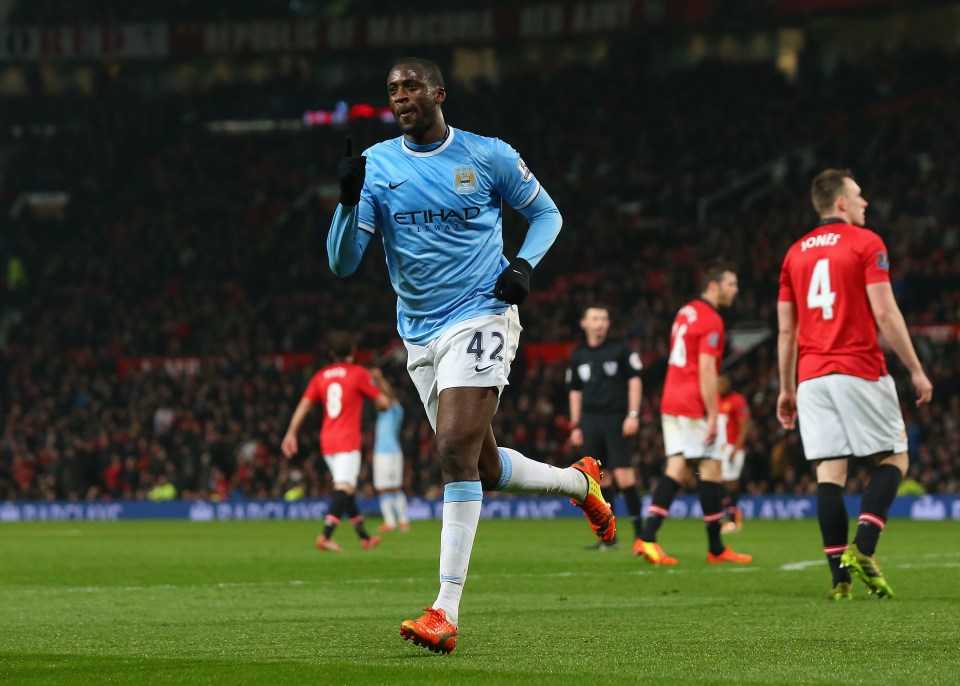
(436, 216)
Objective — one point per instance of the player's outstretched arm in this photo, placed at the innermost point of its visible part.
(289, 444)
(787, 363)
(893, 327)
(346, 242)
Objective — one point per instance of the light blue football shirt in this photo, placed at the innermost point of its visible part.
(438, 209)
(387, 438)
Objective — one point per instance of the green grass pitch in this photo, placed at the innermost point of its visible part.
(255, 603)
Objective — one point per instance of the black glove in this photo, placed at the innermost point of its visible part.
(352, 171)
(513, 284)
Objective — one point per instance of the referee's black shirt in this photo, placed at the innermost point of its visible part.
(601, 374)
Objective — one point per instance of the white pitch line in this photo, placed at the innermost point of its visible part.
(229, 585)
(800, 566)
(338, 582)
(805, 564)
(153, 587)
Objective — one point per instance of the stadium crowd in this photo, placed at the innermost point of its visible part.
(182, 243)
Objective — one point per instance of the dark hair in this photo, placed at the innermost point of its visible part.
(825, 188)
(340, 344)
(595, 306)
(427, 68)
(714, 271)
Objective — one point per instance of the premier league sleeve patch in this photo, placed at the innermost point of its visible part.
(713, 339)
(883, 262)
(525, 173)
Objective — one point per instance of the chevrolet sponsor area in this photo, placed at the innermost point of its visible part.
(929, 507)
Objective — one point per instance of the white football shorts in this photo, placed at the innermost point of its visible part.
(387, 471)
(842, 415)
(476, 352)
(344, 467)
(685, 436)
(732, 465)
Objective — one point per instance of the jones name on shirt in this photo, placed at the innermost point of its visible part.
(821, 241)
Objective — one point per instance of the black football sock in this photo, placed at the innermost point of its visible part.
(632, 498)
(832, 515)
(337, 506)
(353, 512)
(711, 502)
(732, 500)
(877, 498)
(610, 495)
(663, 496)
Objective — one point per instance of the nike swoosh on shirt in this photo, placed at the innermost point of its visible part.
(480, 371)
(395, 186)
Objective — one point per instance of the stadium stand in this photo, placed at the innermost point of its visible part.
(160, 325)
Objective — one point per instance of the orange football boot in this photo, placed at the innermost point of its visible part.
(729, 556)
(432, 631)
(652, 552)
(324, 543)
(595, 508)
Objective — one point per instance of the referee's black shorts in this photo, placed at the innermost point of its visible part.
(603, 439)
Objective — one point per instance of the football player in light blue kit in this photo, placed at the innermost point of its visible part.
(435, 196)
(388, 459)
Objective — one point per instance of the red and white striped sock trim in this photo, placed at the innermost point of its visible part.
(834, 549)
(872, 519)
(657, 510)
(715, 517)
(356, 520)
(330, 519)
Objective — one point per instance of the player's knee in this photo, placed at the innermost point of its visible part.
(709, 470)
(458, 453)
(676, 468)
(898, 460)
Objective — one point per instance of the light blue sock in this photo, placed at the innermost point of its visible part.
(522, 475)
(387, 508)
(461, 514)
(400, 506)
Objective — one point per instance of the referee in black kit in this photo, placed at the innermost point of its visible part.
(605, 392)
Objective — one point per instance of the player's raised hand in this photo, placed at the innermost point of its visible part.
(923, 386)
(513, 284)
(787, 410)
(351, 171)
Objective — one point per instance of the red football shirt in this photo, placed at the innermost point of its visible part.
(341, 387)
(697, 328)
(737, 411)
(825, 275)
